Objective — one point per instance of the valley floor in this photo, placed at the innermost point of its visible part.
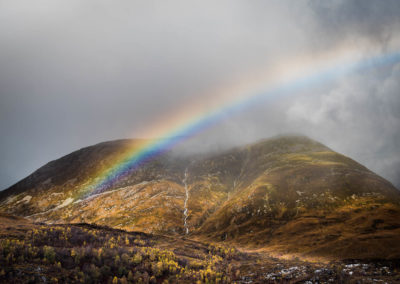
(84, 253)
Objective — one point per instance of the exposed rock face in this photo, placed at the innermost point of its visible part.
(289, 194)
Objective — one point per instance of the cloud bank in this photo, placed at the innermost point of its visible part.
(74, 73)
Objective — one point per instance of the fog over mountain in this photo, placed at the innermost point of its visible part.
(75, 73)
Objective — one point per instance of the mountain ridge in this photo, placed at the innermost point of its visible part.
(287, 193)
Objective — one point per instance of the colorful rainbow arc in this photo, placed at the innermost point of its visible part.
(188, 128)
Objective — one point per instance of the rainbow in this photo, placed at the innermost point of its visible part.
(286, 83)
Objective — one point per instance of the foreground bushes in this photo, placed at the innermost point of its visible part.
(89, 254)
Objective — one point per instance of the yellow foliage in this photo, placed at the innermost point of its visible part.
(137, 258)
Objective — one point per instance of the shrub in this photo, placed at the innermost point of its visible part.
(49, 254)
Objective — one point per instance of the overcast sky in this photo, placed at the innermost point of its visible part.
(75, 73)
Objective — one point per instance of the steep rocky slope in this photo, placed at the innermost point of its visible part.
(286, 194)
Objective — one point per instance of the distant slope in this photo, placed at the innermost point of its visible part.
(287, 194)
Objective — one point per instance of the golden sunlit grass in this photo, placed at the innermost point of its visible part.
(291, 195)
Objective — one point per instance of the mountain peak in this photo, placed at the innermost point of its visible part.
(289, 188)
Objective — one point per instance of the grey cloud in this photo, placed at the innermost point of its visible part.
(374, 20)
(358, 117)
(74, 73)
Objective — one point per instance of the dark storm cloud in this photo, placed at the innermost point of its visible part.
(376, 20)
(74, 73)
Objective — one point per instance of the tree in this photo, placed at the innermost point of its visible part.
(130, 276)
(137, 258)
(105, 271)
(49, 254)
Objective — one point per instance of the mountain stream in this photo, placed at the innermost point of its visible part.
(185, 211)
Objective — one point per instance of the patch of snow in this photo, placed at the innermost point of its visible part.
(47, 181)
(103, 193)
(11, 199)
(155, 195)
(353, 265)
(71, 181)
(26, 199)
(130, 190)
(65, 203)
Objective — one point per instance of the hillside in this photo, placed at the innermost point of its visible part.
(84, 253)
(286, 195)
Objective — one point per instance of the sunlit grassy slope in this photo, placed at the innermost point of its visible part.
(286, 194)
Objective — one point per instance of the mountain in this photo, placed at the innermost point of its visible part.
(285, 195)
